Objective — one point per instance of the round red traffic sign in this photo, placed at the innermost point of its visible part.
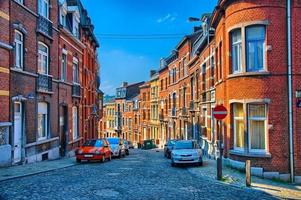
(220, 112)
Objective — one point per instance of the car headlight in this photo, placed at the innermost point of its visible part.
(97, 152)
(80, 151)
(195, 154)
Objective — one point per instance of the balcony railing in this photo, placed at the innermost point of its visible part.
(191, 105)
(76, 91)
(184, 111)
(44, 26)
(44, 83)
(173, 112)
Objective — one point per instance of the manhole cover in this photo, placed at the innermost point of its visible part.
(113, 174)
(108, 193)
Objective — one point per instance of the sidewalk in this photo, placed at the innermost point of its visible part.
(35, 168)
(237, 178)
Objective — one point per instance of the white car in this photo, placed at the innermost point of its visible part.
(117, 147)
(186, 152)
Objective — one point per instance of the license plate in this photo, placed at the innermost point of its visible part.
(185, 159)
(88, 156)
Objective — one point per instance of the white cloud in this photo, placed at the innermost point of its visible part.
(167, 18)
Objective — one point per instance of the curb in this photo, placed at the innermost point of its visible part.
(35, 173)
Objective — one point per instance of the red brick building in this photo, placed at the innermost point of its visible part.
(5, 51)
(49, 65)
(144, 110)
(33, 80)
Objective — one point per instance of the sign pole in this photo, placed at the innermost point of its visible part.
(219, 113)
(219, 162)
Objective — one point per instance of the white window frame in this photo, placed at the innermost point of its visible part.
(75, 122)
(234, 127)
(43, 111)
(239, 57)
(75, 80)
(19, 43)
(265, 119)
(41, 8)
(43, 54)
(64, 69)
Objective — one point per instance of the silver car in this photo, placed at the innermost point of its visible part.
(117, 147)
(186, 152)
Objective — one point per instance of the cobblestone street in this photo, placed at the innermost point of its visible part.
(142, 175)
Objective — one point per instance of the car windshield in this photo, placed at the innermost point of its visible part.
(113, 140)
(93, 143)
(184, 145)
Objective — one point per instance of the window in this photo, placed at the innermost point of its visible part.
(64, 66)
(75, 71)
(44, 8)
(75, 122)
(239, 126)
(20, 1)
(42, 121)
(185, 66)
(63, 19)
(43, 59)
(236, 51)
(257, 127)
(19, 49)
(255, 39)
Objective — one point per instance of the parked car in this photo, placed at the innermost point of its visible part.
(126, 147)
(186, 152)
(117, 147)
(131, 145)
(149, 144)
(168, 148)
(98, 149)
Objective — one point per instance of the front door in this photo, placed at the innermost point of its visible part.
(64, 130)
(17, 131)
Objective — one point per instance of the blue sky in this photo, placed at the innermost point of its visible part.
(131, 59)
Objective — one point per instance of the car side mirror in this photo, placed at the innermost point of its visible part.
(105, 145)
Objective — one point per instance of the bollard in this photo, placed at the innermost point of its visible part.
(248, 173)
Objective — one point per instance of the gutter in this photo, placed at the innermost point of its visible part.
(290, 94)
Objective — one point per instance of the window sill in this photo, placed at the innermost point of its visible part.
(250, 154)
(41, 141)
(246, 74)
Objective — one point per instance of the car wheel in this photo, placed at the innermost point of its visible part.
(173, 164)
(200, 163)
(110, 157)
(127, 153)
(119, 155)
(78, 160)
(103, 159)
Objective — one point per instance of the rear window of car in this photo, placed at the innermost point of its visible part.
(184, 145)
(113, 140)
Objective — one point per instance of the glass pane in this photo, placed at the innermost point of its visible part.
(236, 36)
(251, 56)
(43, 48)
(239, 131)
(255, 33)
(18, 36)
(260, 55)
(257, 134)
(257, 111)
(40, 125)
(238, 110)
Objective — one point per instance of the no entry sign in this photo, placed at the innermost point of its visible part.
(220, 112)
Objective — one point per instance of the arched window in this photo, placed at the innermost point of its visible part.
(19, 46)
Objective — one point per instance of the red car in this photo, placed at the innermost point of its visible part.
(98, 149)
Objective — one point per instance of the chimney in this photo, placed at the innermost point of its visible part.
(152, 72)
(124, 84)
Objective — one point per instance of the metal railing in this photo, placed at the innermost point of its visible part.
(44, 83)
(44, 26)
(76, 90)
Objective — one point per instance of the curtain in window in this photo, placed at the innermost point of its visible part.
(257, 117)
(42, 120)
(43, 59)
(239, 126)
(75, 122)
(255, 47)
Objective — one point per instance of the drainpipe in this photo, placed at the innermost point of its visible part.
(289, 69)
